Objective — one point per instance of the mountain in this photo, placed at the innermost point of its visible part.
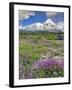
(48, 25)
(61, 26)
(33, 27)
(39, 26)
(49, 21)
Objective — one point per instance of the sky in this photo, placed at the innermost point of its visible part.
(30, 17)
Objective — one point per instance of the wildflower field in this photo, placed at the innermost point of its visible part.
(41, 55)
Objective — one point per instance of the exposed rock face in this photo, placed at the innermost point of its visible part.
(49, 26)
(39, 26)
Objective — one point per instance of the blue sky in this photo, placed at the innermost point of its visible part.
(30, 17)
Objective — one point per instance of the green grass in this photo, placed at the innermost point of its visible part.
(33, 46)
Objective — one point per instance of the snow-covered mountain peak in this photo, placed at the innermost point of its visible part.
(49, 21)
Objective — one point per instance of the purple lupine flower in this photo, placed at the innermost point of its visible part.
(51, 66)
(48, 63)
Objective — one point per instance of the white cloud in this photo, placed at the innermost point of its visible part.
(25, 14)
(51, 14)
(26, 17)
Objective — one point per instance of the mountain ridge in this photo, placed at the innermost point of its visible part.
(48, 25)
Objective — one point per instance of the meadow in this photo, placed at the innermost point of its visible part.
(41, 54)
